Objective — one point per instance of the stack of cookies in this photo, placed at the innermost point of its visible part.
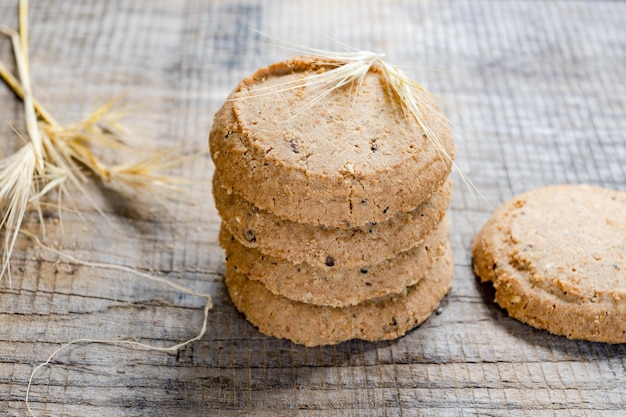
(333, 204)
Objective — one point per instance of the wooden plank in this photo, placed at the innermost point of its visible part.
(541, 84)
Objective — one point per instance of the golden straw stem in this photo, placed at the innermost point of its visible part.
(29, 108)
(23, 17)
(16, 87)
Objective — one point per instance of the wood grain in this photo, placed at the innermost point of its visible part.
(541, 85)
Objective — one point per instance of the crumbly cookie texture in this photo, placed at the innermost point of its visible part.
(310, 325)
(557, 259)
(336, 286)
(318, 245)
(348, 160)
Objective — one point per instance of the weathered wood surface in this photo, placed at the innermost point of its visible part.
(542, 87)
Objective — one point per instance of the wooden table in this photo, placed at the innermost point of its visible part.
(542, 88)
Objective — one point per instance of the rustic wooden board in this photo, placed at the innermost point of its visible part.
(542, 87)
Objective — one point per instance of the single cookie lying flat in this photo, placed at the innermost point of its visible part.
(557, 259)
(344, 161)
(335, 286)
(382, 319)
(318, 245)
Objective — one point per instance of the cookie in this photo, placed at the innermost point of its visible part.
(319, 246)
(348, 160)
(336, 287)
(310, 325)
(557, 260)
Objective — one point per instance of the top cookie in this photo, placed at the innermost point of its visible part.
(348, 159)
(557, 259)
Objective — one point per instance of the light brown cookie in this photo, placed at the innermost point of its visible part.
(322, 246)
(336, 287)
(344, 161)
(382, 319)
(557, 259)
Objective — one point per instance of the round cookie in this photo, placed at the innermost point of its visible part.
(557, 259)
(310, 325)
(347, 160)
(320, 246)
(336, 287)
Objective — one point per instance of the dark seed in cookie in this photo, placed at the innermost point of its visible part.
(250, 236)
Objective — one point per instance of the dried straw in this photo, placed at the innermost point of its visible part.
(54, 155)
